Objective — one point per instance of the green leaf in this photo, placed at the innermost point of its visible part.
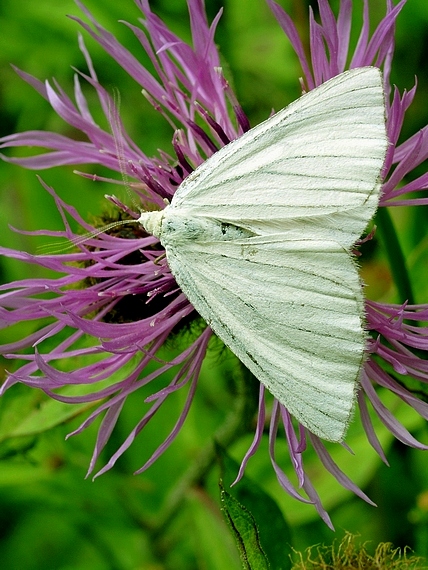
(253, 506)
(28, 412)
(246, 533)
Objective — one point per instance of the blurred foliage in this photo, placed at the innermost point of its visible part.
(51, 517)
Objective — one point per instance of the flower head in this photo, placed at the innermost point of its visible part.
(117, 291)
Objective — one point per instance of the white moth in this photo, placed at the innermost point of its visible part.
(259, 239)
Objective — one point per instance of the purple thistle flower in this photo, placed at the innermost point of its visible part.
(190, 90)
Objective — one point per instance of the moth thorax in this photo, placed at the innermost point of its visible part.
(182, 227)
(152, 222)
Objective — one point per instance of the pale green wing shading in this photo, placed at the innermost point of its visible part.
(291, 311)
(317, 161)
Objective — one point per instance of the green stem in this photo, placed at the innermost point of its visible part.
(236, 424)
(394, 253)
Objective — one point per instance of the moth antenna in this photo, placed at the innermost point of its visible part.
(59, 247)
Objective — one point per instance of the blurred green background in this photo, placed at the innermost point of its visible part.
(50, 516)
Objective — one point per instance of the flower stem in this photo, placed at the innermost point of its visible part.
(395, 255)
(236, 424)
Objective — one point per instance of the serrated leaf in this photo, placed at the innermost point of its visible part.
(244, 528)
(273, 531)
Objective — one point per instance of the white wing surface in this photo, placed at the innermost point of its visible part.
(259, 239)
(291, 311)
(315, 162)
